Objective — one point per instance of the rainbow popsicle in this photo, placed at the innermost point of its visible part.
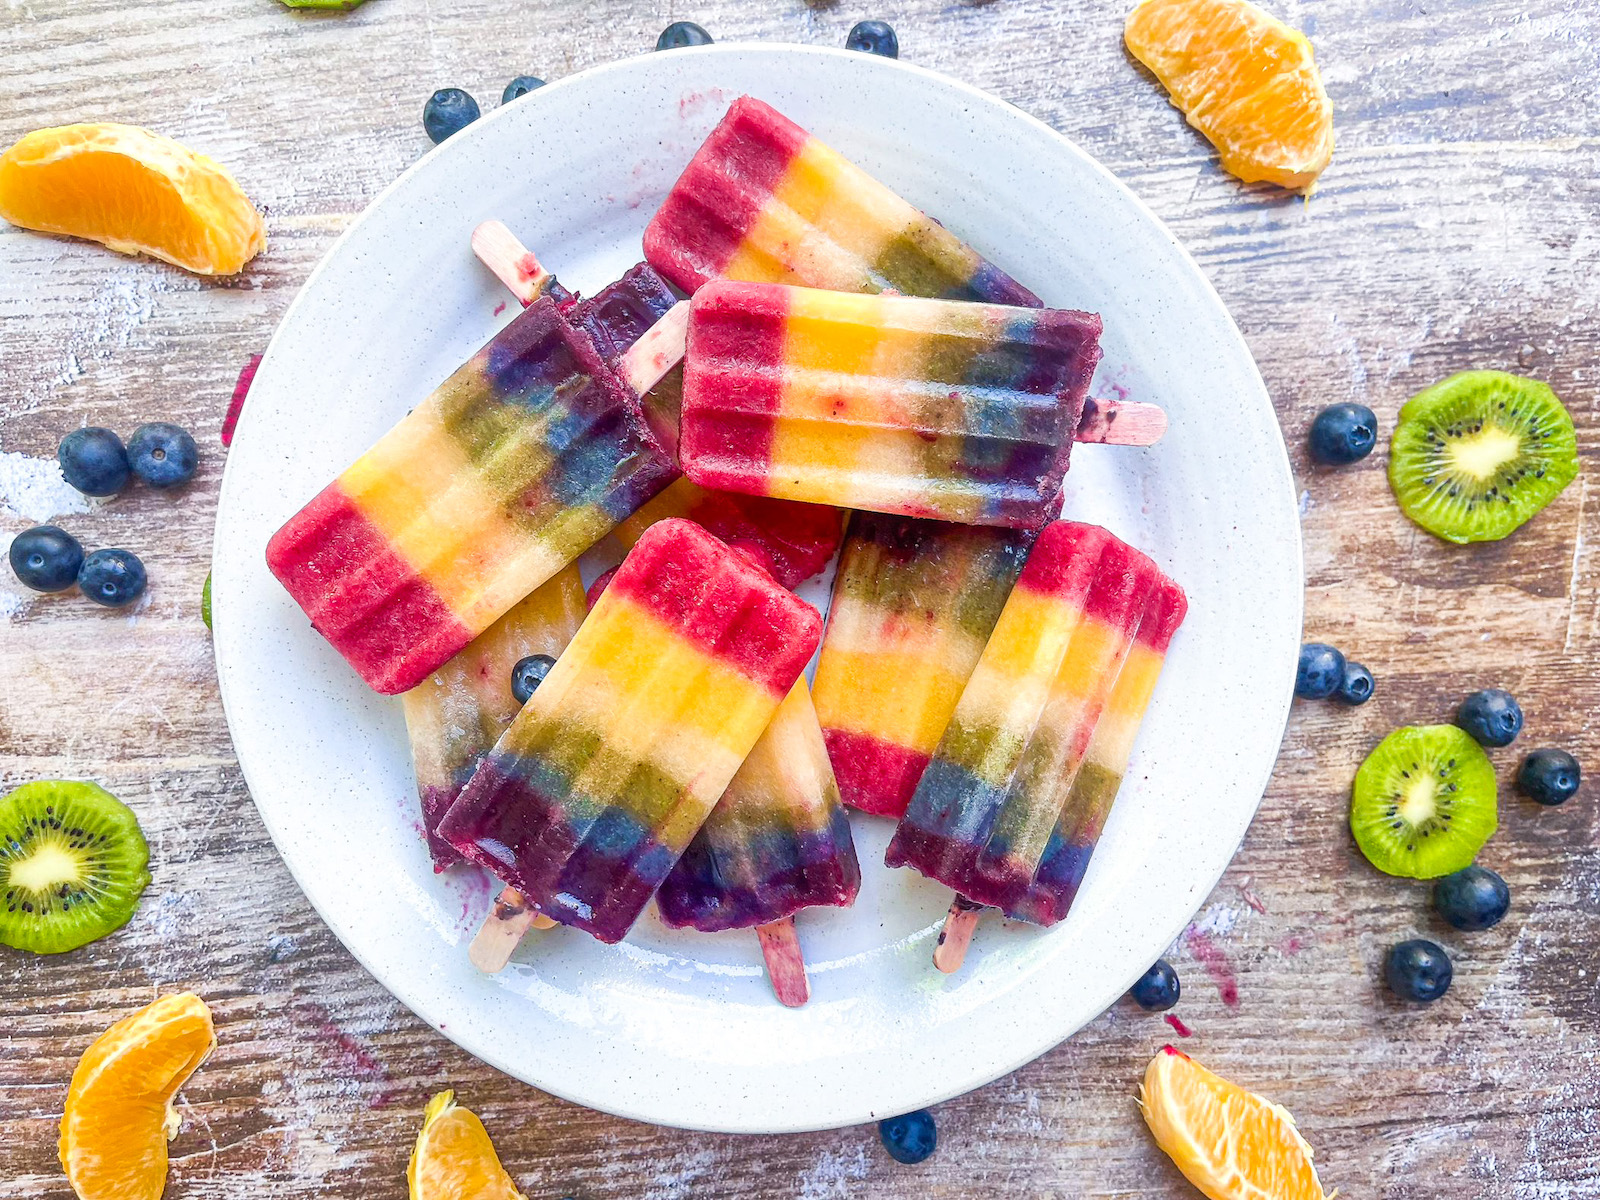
(989, 801)
(610, 769)
(933, 408)
(764, 200)
(914, 603)
(778, 840)
(456, 714)
(1088, 803)
(526, 456)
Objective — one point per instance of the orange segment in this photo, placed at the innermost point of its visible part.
(1244, 79)
(134, 191)
(1229, 1143)
(454, 1158)
(119, 1113)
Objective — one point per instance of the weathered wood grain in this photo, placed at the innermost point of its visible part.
(1456, 227)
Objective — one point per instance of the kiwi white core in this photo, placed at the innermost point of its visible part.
(1485, 452)
(1417, 805)
(47, 866)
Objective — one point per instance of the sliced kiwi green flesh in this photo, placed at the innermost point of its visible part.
(72, 865)
(1476, 455)
(1424, 802)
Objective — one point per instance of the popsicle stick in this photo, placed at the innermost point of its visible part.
(1121, 422)
(658, 350)
(513, 263)
(786, 966)
(496, 941)
(951, 949)
(1113, 422)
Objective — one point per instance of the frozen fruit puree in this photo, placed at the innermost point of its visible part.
(459, 711)
(526, 456)
(913, 604)
(791, 541)
(763, 199)
(933, 408)
(777, 842)
(989, 803)
(609, 770)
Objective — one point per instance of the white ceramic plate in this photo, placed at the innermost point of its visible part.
(677, 1027)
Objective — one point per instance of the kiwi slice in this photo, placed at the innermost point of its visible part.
(1424, 802)
(1477, 454)
(72, 865)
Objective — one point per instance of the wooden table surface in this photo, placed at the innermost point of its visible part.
(1457, 227)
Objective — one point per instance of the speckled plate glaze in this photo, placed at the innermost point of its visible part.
(674, 1026)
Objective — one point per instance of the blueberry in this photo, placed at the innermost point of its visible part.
(1355, 685)
(528, 674)
(1418, 970)
(1320, 673)
(1343, 433)
(46, 558)
(162, 454)
(911, 1138)
(448, 111)
(1491, 716)
(94, 461)
(1473, 898)
(1548, 776)
(1157, 989)
(112, 577)
(682, 33)
(520, 86)
(873, 37)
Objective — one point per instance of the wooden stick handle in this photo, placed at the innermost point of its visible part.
(951, 949)
(509, 918)
(786, 966)
(513, 263)
(658, 350)
(1121, 422)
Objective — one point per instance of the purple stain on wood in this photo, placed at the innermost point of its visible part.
(353, 1056)
(1215, 960)
(1178, 1026)
(1292, 945)
(241, 389)
(1250, 898)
